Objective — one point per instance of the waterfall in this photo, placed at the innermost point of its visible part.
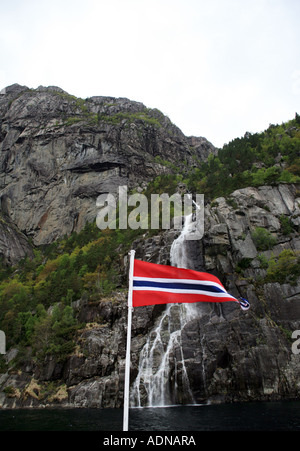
(162, 376)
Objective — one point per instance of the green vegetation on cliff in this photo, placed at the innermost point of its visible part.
(266, 158)
(87, 264)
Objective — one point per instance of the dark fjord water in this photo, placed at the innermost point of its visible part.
(266, 416)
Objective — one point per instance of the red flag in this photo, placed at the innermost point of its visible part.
(161, 284)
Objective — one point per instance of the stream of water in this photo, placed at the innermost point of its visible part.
(162, 361)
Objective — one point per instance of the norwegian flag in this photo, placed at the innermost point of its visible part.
(161, 284)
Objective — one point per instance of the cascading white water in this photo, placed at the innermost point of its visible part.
(161, 363)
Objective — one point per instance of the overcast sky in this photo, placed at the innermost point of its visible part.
(217, 68)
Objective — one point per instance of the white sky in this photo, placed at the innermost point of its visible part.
(217, 68)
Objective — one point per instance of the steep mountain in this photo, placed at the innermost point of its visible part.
(63, 282)
(59, 153)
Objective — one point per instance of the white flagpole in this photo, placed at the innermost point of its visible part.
(127, 361)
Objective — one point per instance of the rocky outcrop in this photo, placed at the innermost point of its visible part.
(58, 153)
(229, 355)
(91, 377)
(14, 245)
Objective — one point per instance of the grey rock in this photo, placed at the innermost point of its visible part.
(59, 153)
(14, 245)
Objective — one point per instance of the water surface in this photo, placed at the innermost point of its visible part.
(266, 416)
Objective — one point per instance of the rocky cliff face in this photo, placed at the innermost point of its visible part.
(58, 154)
(229, 355)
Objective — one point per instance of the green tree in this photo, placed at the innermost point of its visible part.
(263, 239)
(285, 268)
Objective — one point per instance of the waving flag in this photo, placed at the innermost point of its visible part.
(151, 284)
(161, 284)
